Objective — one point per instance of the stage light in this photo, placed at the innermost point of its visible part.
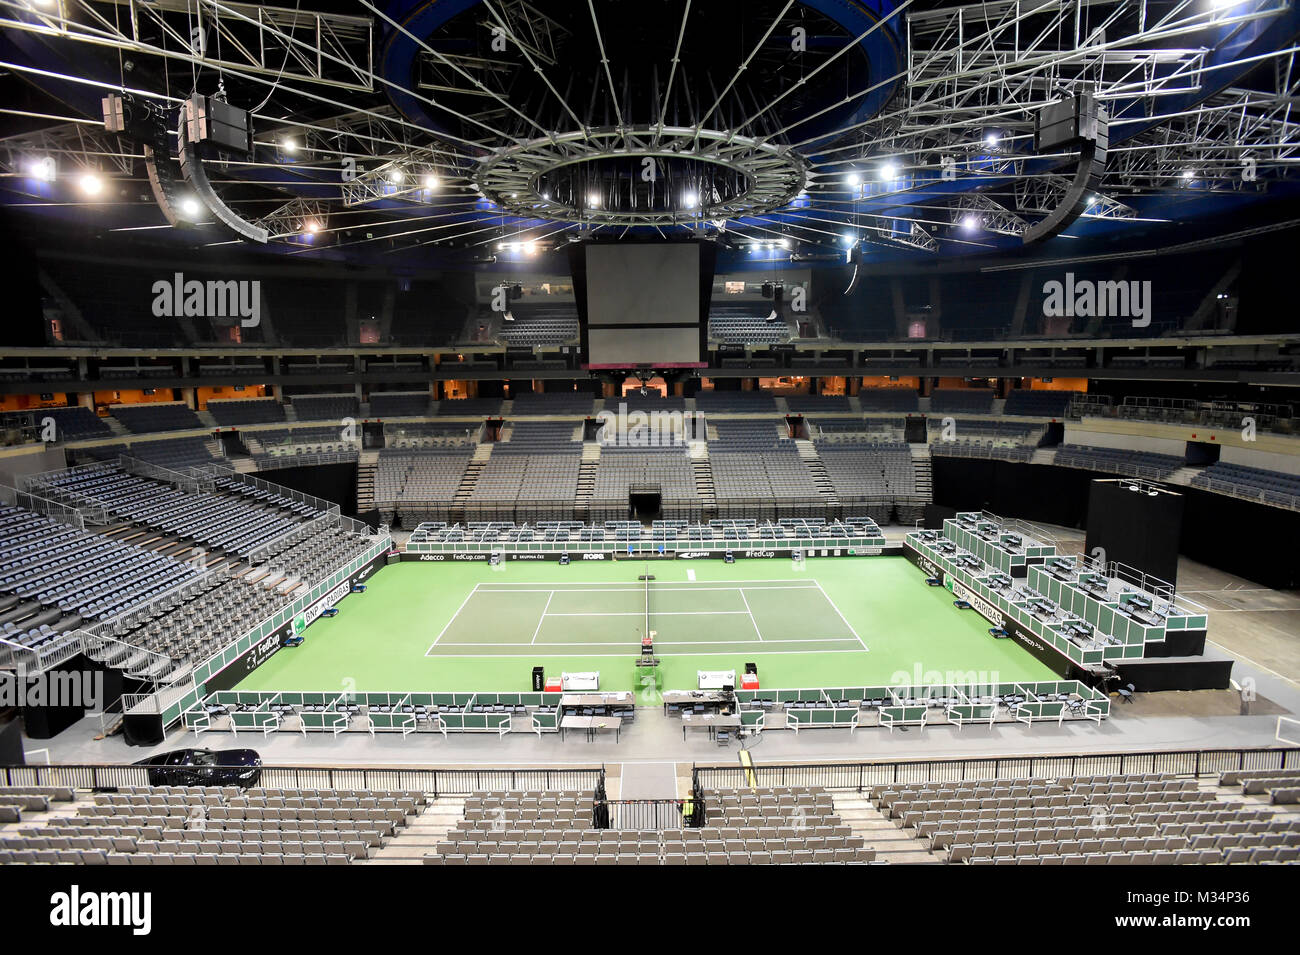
(431, 183)
(190, 207)
(889, 172)
(1189, 174)
(91, 184)
(784, 243)
(854, 179)
(690, 200)
(311, 226)
(546, 197)
(593, 201)
(396, 176)
(849, 238)
(289, 146)
(42, 169)
(991, 140)
(530, 248)
(969, 223)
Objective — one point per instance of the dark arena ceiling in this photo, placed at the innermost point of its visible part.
(436, 133)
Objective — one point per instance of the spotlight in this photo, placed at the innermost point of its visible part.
(431, 183)
(991, 140)
(889, 172)
(854, 179)
(969, 223)
(42, 169)
(91, 184)
(546, 197)
(690, 200)
(593, 201)
(1189, 174)
(289, 146)
(311, 226)
(849, 238)
(190, 207)
(396, 176)
(784, 243)
(530, 248)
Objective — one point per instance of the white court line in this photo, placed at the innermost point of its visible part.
(690, 575)
(635, 590)
(664, 643)
(654, 613)
(751, 615)
(494, 584)
(841, 616)
(429, 652)
(542, 618)
(611, 656)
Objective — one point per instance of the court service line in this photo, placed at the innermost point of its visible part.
(615, 656)
(841, 616)
(653, 613)
(542, 618)
(751, 614)
(664, 643)
(429, 652)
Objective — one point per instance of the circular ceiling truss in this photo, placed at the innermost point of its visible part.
(917, 140)
(643, 176)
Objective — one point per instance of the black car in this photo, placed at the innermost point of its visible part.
(204, 767)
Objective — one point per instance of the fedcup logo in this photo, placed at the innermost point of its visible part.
(178, 298)
(1084, 298)
(653, 429)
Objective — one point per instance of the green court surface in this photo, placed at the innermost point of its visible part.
(826, 623)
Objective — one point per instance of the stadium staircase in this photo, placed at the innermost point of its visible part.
(892, 844)
(421, 836)
(1043, 456)
(290, 412)
(855, 404)
(115, 426)
(367, 466)
(921, 467)
(1184, 476)
(207, 419)
(460, 499)
(699, 456)
(825, 487)
(586, 480)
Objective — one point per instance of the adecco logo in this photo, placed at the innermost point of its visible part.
(433, 557)
(593, 556)
(760, 553)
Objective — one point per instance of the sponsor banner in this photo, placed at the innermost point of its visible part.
(924, 564)
(982, 606)
(718, 554)
(1060, 664)
(311, 614)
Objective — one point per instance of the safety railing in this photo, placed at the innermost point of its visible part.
(861, 775)
(435, 782)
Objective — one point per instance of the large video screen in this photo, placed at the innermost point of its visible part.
(643, 304)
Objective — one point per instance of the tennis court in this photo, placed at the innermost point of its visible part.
(467, 626)
(685, 617)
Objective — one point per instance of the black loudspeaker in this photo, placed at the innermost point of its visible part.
(767, 290)
(1137, 524)
(914, 431)
(539, 679)
(11, 744)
